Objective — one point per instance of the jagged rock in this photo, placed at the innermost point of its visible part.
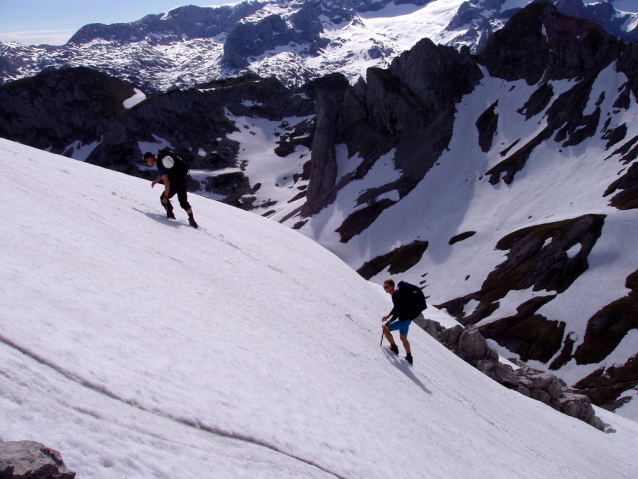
(473, 347)
(540, 395)
(6, 470)
(501, 373)
(487, 125)
(524, 390)
(505, 375)
(323, 172)
(539, 385)
(31, 460)
(410, 107)
(399, 260)
(526, 47)
(576, 405)
(451, 336)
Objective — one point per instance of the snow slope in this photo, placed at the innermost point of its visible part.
(558, 182)
(140, 347)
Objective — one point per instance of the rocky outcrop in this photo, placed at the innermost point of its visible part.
(251, 39)
(59, 109)
(537, 258)
(397, 261)
(31, 460)
(329, 93)
(539, 43)
(471, 346)
(55, 109)
(409, 107)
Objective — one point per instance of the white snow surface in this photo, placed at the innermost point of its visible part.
(143, 348)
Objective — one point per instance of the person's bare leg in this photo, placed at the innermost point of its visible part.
(406, 343)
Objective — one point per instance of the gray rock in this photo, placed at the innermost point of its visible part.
(524, 391)
(578, 406)
(31, 460)
(451, 336)
(472, 345)
(433, 328)
(555, 389)
(540, 395)
(505, 375)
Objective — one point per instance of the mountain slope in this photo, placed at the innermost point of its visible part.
(443, 162)
(507, 192)
(142, 347)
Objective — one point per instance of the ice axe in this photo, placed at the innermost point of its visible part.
(382, 333)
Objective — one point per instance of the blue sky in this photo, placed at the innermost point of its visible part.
(54, 21)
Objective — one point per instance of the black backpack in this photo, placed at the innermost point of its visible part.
(412, 298)
(175, 165)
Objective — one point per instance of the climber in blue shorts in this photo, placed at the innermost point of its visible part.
(402, 323)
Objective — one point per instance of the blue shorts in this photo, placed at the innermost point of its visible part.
(402, 326)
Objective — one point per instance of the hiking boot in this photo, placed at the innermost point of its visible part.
(169, 211)
(394, 348)
(191, 221)
(408, 358)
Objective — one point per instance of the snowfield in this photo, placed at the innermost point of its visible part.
(143, 348)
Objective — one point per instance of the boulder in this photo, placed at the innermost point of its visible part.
(31, 460)
(473, 347)
(469, 344)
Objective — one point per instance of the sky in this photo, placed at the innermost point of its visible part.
(53, 22)
(141, 347)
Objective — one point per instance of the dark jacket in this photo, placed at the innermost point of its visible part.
(400, 310)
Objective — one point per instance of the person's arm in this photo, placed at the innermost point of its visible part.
(167, 186)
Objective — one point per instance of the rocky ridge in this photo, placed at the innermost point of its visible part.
(295, 41)
(469, 344)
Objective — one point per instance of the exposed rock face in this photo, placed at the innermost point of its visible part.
(323, 172)
(542, 44)
(399, 260)
(469, 345)
(409, 107)
(31, 460)
(486, 126)
(537, 259)
(56, 110)
(247, 40)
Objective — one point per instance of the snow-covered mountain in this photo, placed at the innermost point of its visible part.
(504, 183)
(294, 41)
(141, 347)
